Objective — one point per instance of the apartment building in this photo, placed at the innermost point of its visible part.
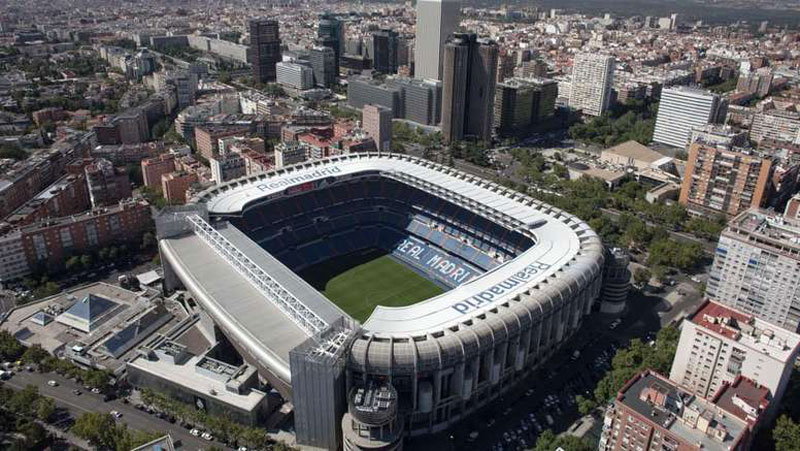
(154, 168)
(651, 412)
(723, 178)
(718, 344)
(592, 79)
(756, 268)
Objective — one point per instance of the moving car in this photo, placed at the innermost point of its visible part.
(52, 383)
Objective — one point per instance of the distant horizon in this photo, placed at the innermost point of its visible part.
(688, 10)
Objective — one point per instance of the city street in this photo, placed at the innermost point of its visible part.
(90, 402)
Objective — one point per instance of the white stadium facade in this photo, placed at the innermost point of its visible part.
(520, 277)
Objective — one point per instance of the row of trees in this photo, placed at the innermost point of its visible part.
(101, 430)
(623, 122)
(587, 197)
(48, 363)
(20, 415)
(628, 362)
(13, 152)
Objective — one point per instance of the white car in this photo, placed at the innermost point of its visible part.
(116, 414)
(207, 436)
(195, 432)
(52, 383)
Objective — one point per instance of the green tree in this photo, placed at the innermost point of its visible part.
(10, 348)
(786, 434)
(549, 441)
(34, 354)
(585, 405)
(86, 261)
(96, 378)
(98, 428)
(23, 402)
(642, 276)
(45, 408)
(36, 436)
(12, 152)
(73, 263)
(631, 360)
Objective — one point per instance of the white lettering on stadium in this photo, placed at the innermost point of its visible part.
(487, 296)
(297, 179)
(438, 262)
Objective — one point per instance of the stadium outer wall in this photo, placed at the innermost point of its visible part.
(445, 375)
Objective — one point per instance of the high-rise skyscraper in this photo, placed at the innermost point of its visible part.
(681, 109)
(469, 79)
(265, 49)
(330, 33)
(436, 21)
(592, 79)
(383, 51)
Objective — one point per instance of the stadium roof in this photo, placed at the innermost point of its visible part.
(558, 237)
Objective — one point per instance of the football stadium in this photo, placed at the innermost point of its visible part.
(383, 294)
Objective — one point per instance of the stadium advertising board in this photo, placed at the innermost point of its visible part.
(490, 295)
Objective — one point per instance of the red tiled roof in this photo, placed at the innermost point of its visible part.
(716, 317)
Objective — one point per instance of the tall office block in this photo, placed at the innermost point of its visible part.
(436, 21)
(681, 109)
(521, 104)
(265, 49)
(545, 93)
(383, 51)
(330, 33)
(293, 75)
(755, 268)
(323, 64)
(363, 91)
(469, 79)
(377, 122)
(513, 103)
(422, 99)
(719, 344)
(592, 79)
(723, 178)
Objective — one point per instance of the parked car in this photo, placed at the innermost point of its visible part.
(116, 414)
(207, 436)
(76, 392)
(52, 383)
(195, 432)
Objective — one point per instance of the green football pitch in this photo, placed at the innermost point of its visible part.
(360, 282)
